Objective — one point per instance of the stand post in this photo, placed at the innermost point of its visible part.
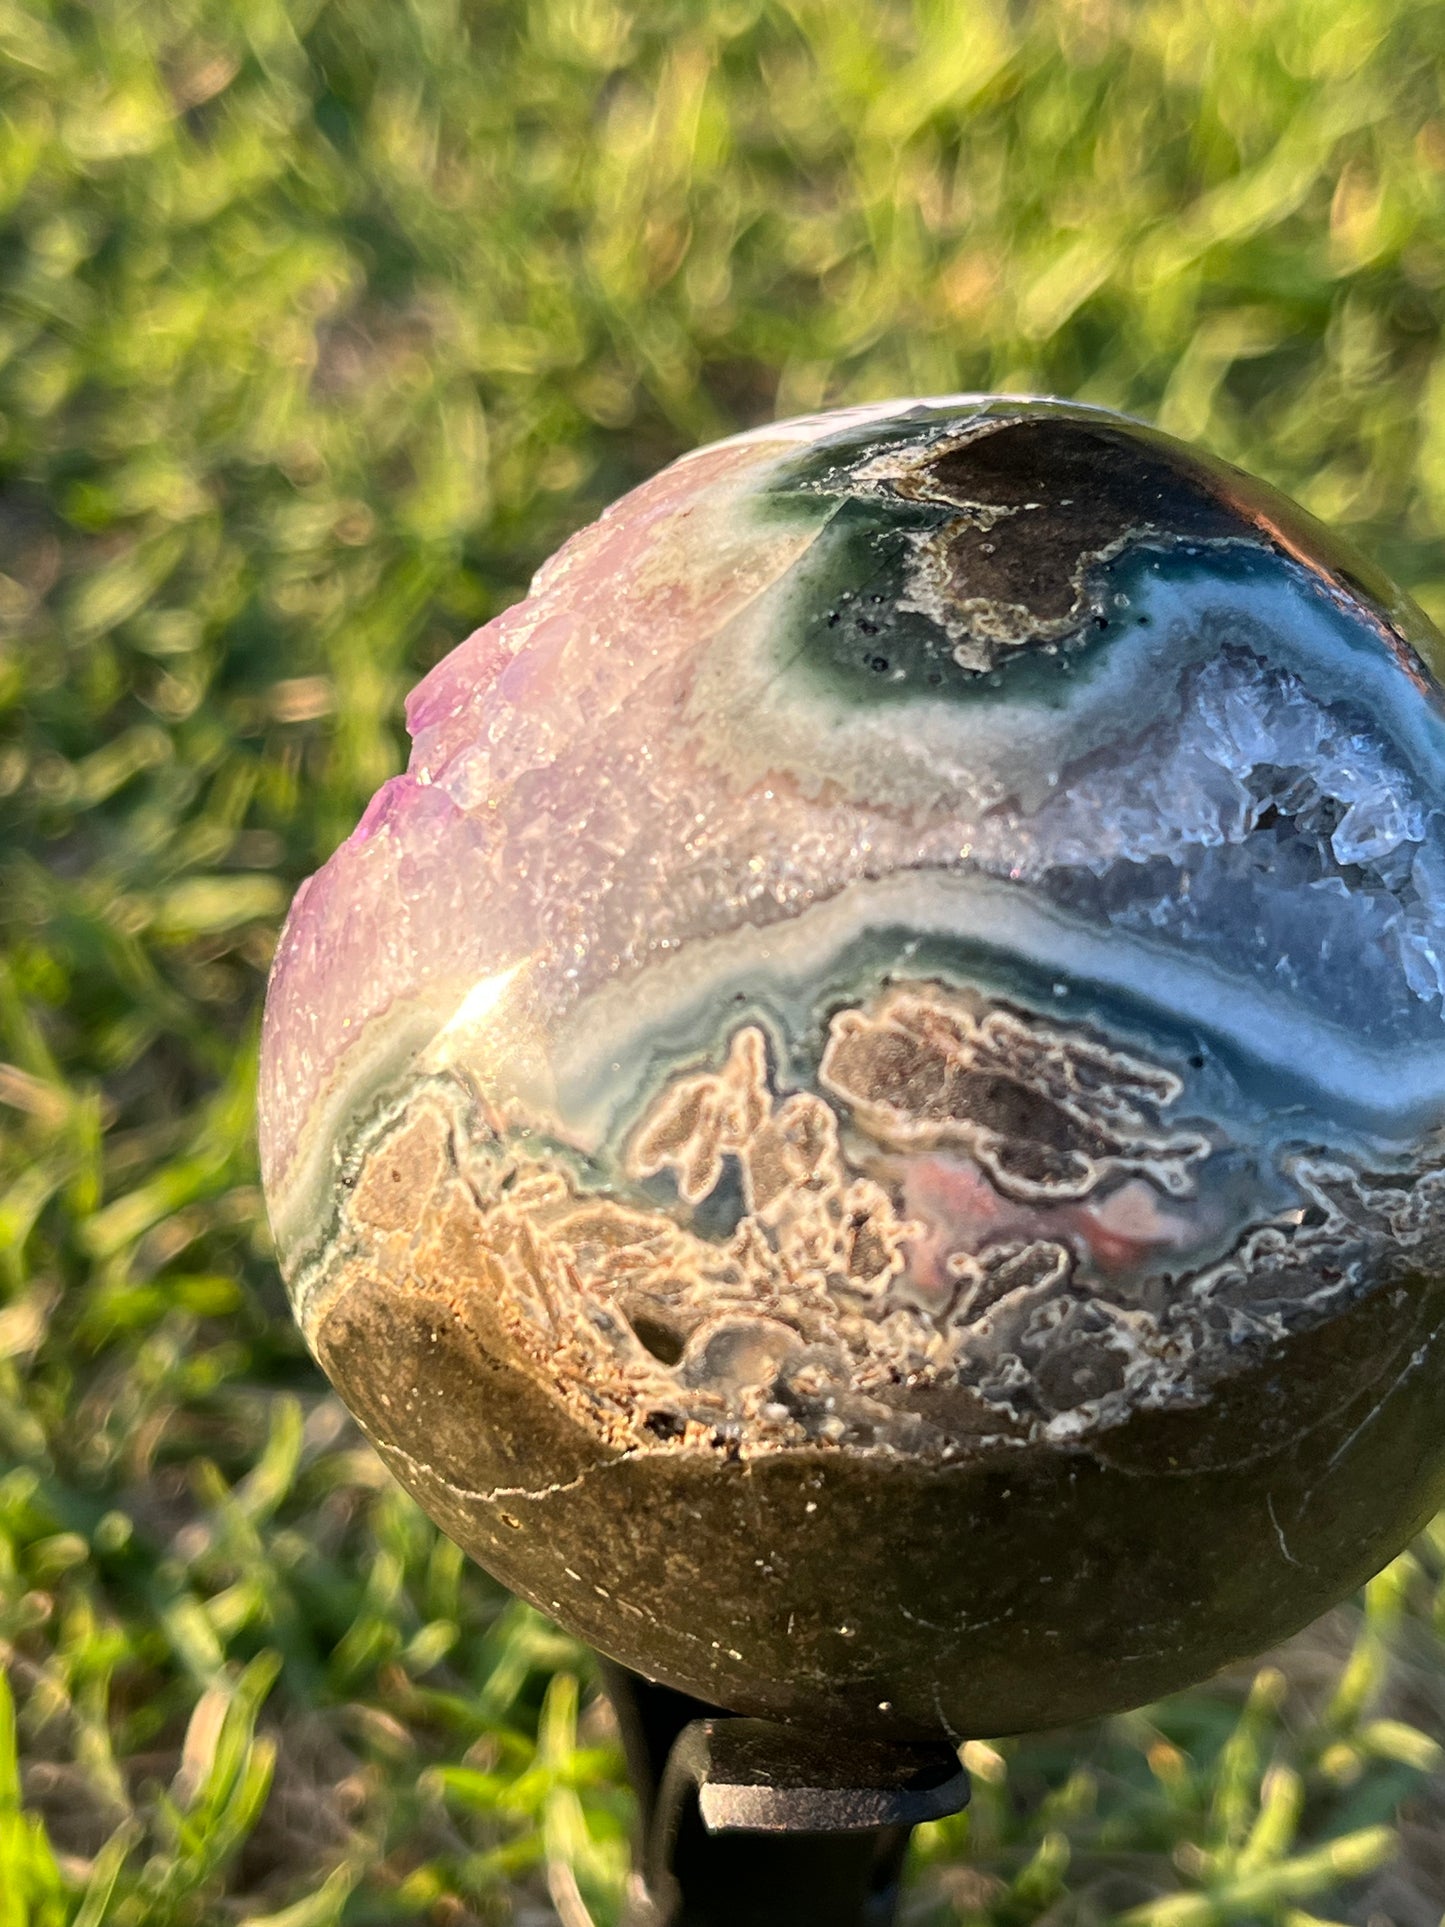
(749, 1823)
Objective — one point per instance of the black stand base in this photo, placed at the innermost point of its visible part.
(748, 1823)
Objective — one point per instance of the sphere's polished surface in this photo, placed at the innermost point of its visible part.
(864, 1124)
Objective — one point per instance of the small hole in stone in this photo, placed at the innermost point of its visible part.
(661, 1340)
(666, 1425)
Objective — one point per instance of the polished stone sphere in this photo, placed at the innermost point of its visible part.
(863, 1125)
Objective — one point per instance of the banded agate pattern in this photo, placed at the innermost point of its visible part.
(908, 970)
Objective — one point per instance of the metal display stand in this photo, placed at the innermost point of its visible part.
(750, 1823)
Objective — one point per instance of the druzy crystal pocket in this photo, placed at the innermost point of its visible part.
(863, 1124)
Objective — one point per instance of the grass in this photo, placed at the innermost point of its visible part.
(321, 322)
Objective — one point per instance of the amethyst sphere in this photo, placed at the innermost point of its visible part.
(863, 1125)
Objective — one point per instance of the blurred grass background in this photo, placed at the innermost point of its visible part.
(321, 322)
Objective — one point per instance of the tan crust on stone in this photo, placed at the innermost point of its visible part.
(1048, 1114)
(801, 1327)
